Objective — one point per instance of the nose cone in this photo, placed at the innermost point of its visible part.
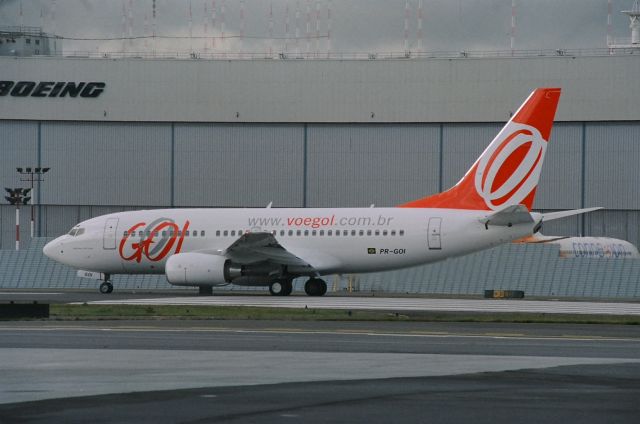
(53, 250)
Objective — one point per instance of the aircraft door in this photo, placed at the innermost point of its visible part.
(434, 234)
(110, 229)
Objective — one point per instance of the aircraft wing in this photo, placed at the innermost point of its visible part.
(261, 247)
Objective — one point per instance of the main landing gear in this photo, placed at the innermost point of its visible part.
(315, 287)
(106, 287)
(281, 288)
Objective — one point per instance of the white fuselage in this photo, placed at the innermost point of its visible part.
(340, 240)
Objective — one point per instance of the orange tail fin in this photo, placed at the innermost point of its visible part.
(507, 172)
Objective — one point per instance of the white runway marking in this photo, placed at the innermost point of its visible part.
(28, 293)
(395, 304)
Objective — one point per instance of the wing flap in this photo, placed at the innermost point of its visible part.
(260, 247)
(511, 215)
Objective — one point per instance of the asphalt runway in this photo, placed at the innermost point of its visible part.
(246, 371)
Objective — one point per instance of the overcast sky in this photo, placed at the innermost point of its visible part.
(357, 25)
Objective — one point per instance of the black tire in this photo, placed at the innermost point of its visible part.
(277, 288)
(315, 287)
(323, 287)
(106, 287)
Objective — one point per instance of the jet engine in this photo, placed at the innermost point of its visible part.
(198, 269)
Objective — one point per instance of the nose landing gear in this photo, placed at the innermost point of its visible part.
(106, 287)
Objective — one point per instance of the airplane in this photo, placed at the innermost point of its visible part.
(270, 247)
(586, 247)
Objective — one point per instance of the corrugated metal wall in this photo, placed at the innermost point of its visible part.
(237, 165)
(536, 269)
(98, 168)
(371, 164)
(101, 167)
(91, 163)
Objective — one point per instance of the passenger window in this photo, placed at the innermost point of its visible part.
(361, 233)
(337, 233)
(186, 233)
(179, 233)
(233, 233)
(290, 232)
(217, 233)
(274, 232)
(329, 232)
(282, 233)
(306, 232)
(401, 232)
(313, 233)
(148, 233)
(368, 232)
(126, 233)
(384, 233)
(225, 233)
(170, 233)
(164, 234)
(393, 232)
(321, 232)
(353, 232)
(377, 232)
(141, 233)
(202, 233)
(298, 233)
(155, 234)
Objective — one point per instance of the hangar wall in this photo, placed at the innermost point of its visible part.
(104, 167)
(324, 133)
(595, 88)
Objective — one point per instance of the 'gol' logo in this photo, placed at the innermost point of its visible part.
(508, 171)
(154, 241)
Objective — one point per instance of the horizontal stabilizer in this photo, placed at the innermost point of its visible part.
(511, 215)
(563, 214)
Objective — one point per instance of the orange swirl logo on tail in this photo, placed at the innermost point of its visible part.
(508, 172)
(153, 241)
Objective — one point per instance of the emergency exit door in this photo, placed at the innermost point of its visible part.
(434, 234)
(110, 228)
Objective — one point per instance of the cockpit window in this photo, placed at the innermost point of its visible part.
(76, 231)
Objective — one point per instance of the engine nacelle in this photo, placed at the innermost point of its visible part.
(198, 269)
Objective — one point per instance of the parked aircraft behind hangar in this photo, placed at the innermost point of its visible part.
(489, 206)
(587, 247)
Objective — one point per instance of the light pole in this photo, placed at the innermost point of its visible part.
(17, 196)
(31, 175)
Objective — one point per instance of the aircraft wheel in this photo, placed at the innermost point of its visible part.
(277, 288)
(106, 287)
(315, 287)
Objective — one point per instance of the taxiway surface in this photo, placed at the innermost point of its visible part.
(238, 371)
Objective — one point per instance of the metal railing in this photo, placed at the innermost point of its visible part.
(397, 55)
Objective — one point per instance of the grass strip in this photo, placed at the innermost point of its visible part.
(114, 312)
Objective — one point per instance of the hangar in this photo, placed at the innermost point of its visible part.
(122, 133)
